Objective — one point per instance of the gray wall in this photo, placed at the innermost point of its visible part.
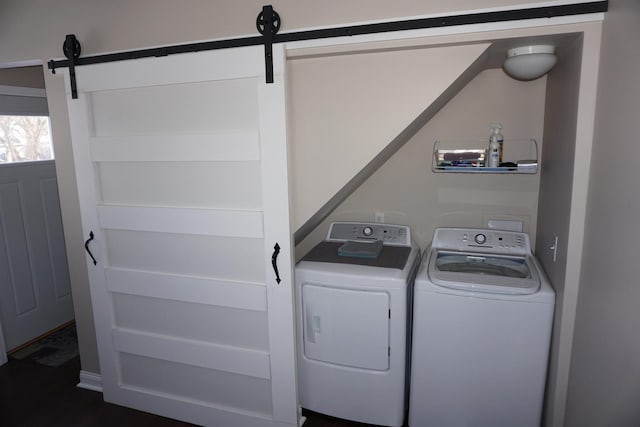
(556, 184)
(604, 385)
(23, 77)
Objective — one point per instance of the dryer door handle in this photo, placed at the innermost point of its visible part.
(312, 324)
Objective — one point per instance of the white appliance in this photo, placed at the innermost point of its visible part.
(483, 312)
(353, 294)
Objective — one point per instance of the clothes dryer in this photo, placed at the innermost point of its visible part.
(483, 313)
(353, 297)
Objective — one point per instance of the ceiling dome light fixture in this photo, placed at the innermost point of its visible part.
(530, 62)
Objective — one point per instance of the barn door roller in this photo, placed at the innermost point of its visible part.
(268, 23)
(72, 49)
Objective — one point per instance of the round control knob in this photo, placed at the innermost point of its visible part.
(480, 238)
(367, 231)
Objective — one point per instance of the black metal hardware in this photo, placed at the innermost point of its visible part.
(268, 24)
(72, 49)
(261, 23)
(274, 262)
(448, 21)
(86, 247)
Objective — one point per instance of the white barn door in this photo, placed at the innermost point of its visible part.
(181, 166)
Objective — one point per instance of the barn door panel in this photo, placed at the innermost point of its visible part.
(182, 175)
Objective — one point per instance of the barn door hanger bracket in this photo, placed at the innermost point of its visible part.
(268, 24)
(71, 48)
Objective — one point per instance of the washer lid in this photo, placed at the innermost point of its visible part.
(483, 272)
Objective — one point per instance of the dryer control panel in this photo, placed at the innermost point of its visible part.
(482, 240)
(390, 234)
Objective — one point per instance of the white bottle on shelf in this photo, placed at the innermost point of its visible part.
(495, 146)
(493, 160)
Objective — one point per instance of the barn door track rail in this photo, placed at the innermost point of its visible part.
(268, 24)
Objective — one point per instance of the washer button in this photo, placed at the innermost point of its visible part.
(480, 239)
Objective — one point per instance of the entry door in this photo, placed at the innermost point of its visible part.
(35, 295)
(182, 176)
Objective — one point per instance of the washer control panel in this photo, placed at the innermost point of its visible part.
(390, 234)
(481, 240)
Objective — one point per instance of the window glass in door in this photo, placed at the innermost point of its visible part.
(25, 138)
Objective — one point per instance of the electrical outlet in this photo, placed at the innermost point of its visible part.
(379, 217)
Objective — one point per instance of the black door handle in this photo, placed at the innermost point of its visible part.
(86, 247)
(274, 262)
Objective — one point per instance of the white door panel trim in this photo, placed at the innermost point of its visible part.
(236, 360)
(223, 146)
(211, 222)
(232, 63)
(226, 293)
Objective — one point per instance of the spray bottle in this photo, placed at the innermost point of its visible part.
(495, 146)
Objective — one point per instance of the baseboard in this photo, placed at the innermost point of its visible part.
(90, 381)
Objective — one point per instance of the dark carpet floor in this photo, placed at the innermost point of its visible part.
(34, 395)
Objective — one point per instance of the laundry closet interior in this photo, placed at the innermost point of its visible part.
(395, 99)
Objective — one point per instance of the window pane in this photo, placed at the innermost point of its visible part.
(25, 138)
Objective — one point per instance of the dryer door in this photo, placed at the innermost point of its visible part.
(345, 326)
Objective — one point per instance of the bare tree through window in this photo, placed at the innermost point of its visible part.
(24, 138)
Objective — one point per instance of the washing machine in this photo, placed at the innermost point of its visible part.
(353, 298)
(483, 313)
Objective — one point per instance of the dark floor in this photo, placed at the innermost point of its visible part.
(33, 395)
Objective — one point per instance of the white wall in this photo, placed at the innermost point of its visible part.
(555, 201)
(345, 109)
(604, 386)
(408, 192)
